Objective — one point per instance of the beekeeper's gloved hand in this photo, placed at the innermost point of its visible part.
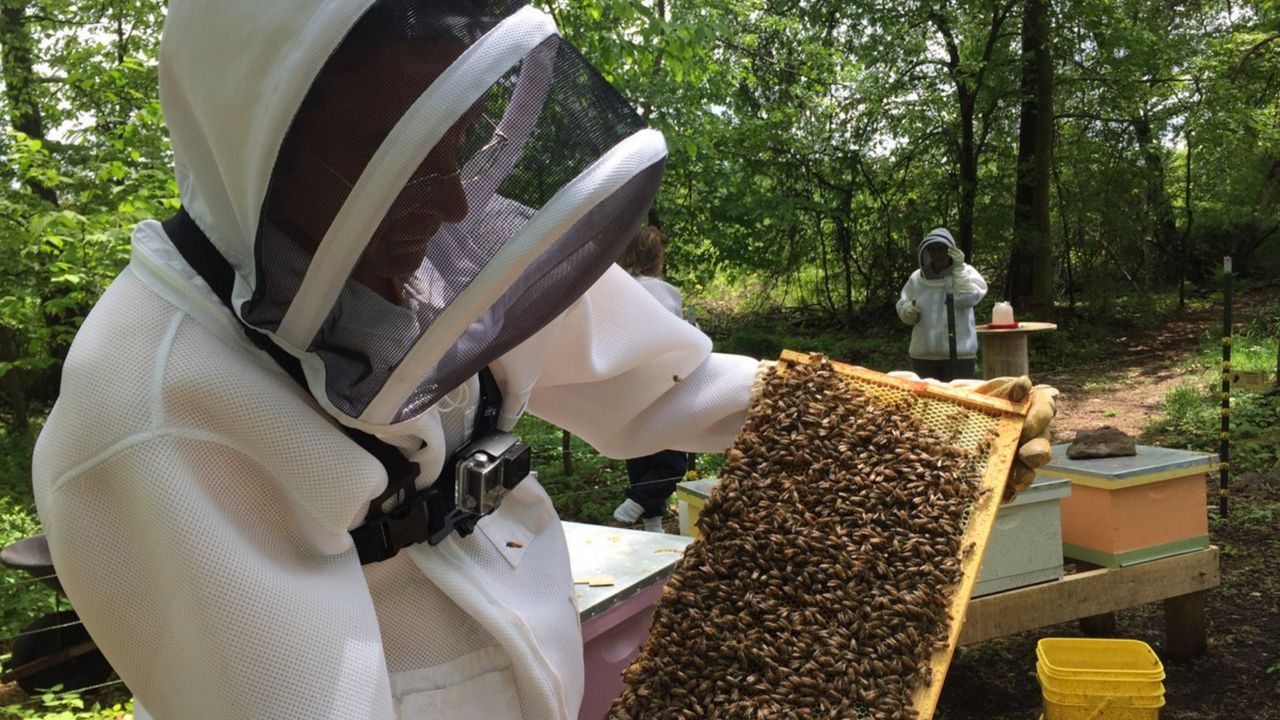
(961, 283)
(763, 370)
(1034, 448)
(910, 313)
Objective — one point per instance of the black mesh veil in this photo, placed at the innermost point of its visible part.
(526, 176)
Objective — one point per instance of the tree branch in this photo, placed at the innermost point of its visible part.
(1249, 53)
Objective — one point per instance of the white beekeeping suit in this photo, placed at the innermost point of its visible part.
(922, 302)
(406, 192)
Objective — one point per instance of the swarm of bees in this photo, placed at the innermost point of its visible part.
(829, 555)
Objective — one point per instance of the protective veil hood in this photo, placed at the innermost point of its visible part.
(405, 189)
(941, 236)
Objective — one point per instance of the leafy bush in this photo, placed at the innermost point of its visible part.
(56, 705)
(22, 599)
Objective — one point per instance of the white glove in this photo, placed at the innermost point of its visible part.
(1034, 450)
(911, 314)
(961, 283)
(764, 369)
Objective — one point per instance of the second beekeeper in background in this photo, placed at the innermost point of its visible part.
(651, 478)
(398, 228)
(923, 305)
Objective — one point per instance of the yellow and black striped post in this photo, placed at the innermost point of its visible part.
(1224, 442)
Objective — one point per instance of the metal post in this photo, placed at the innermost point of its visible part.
(1224, 442)
(951, 332)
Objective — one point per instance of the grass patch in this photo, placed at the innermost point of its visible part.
(1193, 412)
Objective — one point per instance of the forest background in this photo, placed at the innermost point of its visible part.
(1095, 159)
(1087, 154)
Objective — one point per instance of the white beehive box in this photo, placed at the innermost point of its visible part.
(691, 495)
(1025, 546)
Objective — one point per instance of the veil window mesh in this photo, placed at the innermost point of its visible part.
(532, 132)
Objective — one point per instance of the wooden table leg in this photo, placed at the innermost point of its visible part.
(1103, 625)
(1185, 630)
(1004, 354)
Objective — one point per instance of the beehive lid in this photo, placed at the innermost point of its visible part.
(1151, 464)
(618, 561)
(697, 489)
(1044, 488)
(970, 420)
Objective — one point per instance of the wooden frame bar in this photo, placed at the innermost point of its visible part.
(1180, 581)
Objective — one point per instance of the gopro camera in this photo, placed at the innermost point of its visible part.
(486, 470)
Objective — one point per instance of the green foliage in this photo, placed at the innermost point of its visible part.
(811, 144)
(591, 491)
(85, 158)
(56, 705)
(22, 599)
(1193, 412)
(1260, 517)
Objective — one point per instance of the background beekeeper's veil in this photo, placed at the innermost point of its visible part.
(453, 175)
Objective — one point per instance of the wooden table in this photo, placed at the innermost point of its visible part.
(1092, 595)
(1004, 350)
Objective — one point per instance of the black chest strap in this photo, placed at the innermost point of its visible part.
(426, 515)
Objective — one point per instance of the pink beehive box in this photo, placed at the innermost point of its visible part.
(1127, 510)
(618, 577)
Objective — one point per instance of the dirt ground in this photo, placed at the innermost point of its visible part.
(1239, 677)
(1144, 368)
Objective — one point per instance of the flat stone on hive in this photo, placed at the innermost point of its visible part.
(1102, 442)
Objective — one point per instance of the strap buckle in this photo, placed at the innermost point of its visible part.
(471, 487)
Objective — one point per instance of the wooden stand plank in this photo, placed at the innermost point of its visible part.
(1096, 592)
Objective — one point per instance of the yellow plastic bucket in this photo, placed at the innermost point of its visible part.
(1149, 693)
(1099, 658)
(1104, 708)
(1099, 679)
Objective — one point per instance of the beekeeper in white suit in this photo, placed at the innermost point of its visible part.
(943, 277)
(261, 484)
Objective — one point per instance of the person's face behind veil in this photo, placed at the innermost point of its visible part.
(349, 112)
(938, 259)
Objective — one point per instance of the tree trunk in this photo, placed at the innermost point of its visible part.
(1166, 230)
(1183, 250)
(826, 269)
(969, 84)
(11, 385)
(566, 452)
(845, 245)
(968, 170)
(20, 81)
(1031, 260)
